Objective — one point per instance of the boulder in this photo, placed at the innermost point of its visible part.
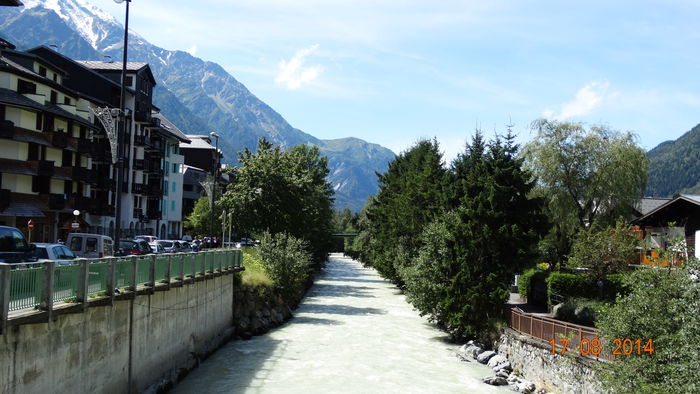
(485, 356)
(495, 380)
(525, 387)
(474, 351)
(503, 374)
(496, 360)
(513, 378)
(503, 367)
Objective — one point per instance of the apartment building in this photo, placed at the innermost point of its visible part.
(46, 158)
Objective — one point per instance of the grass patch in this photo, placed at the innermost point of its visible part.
(254, 274)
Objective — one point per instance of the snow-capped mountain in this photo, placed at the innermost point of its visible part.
(189, 86)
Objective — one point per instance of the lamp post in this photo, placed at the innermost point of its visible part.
(213, 188)
(75, 225)
(121, 130)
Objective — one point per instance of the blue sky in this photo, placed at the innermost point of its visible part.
(394, 71)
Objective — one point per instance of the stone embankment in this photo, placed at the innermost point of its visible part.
(527, 366)
(257, 310)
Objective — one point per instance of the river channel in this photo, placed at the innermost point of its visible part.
(353, 333)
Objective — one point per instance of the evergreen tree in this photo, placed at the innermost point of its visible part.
(411, 194)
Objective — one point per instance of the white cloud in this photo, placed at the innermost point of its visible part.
(294, 73)
(587, 99)
(192, 50)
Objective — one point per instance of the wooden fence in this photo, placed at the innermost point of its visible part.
(579, 340)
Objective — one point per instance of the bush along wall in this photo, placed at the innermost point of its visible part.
(581, 285)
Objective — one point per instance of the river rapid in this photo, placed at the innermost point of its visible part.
(353, 333)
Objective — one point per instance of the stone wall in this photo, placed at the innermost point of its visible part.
(140, 344)
(535, 362)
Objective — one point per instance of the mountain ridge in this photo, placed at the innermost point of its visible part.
(674, 166)
(190, 86)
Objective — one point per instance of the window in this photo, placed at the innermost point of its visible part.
(39, 120)
(25, 87)
(175, 168)
(76, 244)
(172, 205)
(66, 100)
(90, 245)
(41, 253)
(42, 71)
(129, 80)
(54, 97)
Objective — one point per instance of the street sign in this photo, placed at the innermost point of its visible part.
(30, 225)
(75, 225)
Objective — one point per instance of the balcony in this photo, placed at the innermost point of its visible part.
(137, 188)
(7, 129)
(86, 147)
(138, 213)
(59, 139)
(154, 144)
(139, 140)
(139, 164)
(154, 214)
(105, 183)
(45, 168)
(81, 174)
(57, 202)
(152, 167)
(85, 204)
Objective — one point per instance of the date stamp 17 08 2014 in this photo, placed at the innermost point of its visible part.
(593, 347)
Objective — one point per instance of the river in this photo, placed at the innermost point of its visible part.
(353, 333)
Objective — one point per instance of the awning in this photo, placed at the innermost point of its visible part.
(22, 209)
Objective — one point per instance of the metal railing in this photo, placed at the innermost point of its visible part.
(46, 284)
(582, 340)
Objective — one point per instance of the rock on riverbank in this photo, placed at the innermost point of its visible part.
(503, 372)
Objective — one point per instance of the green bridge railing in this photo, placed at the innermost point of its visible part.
(41, 287)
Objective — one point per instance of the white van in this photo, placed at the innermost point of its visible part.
(90, 246)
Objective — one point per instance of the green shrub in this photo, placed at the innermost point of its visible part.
(287, 262)
(529, 277)
(582, 285)
(579, 311)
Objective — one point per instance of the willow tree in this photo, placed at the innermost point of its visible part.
(587, 176)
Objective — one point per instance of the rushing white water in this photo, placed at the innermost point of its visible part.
(353, 333)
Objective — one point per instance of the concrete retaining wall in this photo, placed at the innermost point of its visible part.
(536, 363)
(131, 346)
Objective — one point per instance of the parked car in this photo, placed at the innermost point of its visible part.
(59, 254)
(170, 246)
(246, 242)
(157, 248)
(185, 247)
(136, 247)
(14, 248)
(148, 238)
(90, 246)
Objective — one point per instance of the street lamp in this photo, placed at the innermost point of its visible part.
(121, 130)
(213, 188)
(75, 225)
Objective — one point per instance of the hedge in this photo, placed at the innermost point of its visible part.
(528, 277)
(581, 285)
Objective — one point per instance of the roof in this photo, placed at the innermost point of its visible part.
(679, 210)
(648, 204)
(114, 66)
(193, 168)
(198, 142)
(117, 66)
(14, 3)
(170, 128)
(13, 98)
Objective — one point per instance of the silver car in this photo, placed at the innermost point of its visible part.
(58, 253)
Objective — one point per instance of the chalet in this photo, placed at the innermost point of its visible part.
(678, 217)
